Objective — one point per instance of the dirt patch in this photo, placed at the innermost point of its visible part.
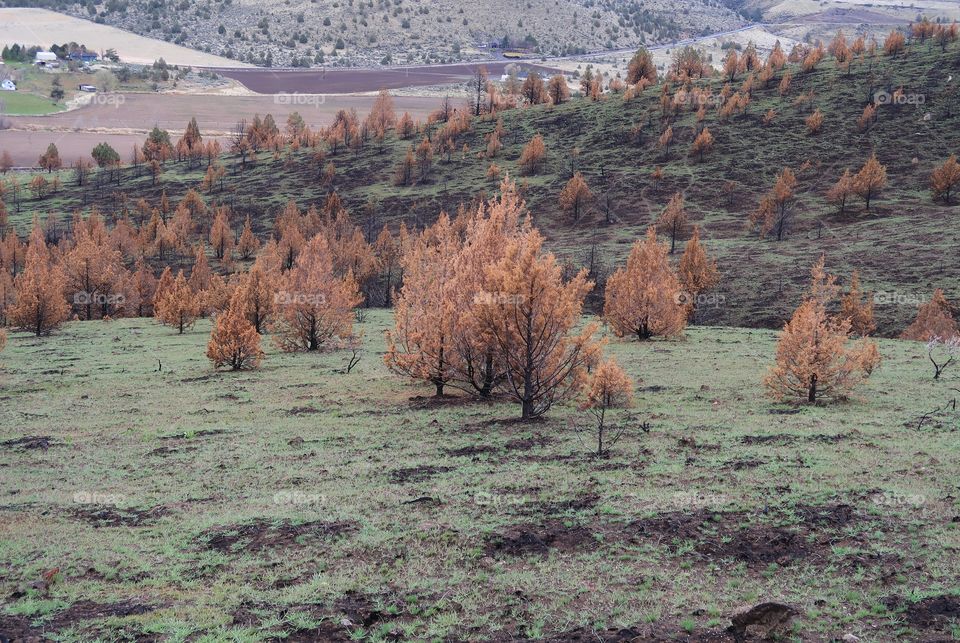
(470, 451)
(30, 442)
(525, 444)
(107, 516)
(538, 540)
(261, 535)
(19, 628)
(416, 474)
(302, 410)
(739, 464)
(747, 537)
(779, 438)
(931, 613)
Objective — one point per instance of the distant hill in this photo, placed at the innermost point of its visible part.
(904, 247)
(374, 32)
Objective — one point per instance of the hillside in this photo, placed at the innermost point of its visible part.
(335, 33)
(902, 247)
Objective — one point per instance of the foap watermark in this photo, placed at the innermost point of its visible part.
(298, 498)
(895, 499)
(498, 299)
(883, 97)
(97, 299)
(108, 100)
(287, 298)
(894, 298)
(700, 300)
(297, 99)
(497, 500)
(98, 498)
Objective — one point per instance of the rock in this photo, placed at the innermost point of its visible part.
(762, 621)
(295, 442)
(850, 638)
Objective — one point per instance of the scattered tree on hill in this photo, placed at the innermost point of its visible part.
(257, 296)
(776, 207)
(234, 342)
(814, 361)
(248, 244)
(314, 306)
(673, 220)
(177, 305)
(841, 191)
(870, 180)
(404, 173)
(50, 160)
(533, 90)
(608, 388)
(641, 68)
(41, 305)
(868, 118)
(814, 122)
(532, 156)
(575, 195)
(558, 90)
(702, 144)
(644, 298)
(934, 319)
(945, 178)
(478, 87)
(857, 306)
(697, 272)
(665, 139)
(894, 44)
(221, 236)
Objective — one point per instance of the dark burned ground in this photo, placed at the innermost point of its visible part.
(304, 504)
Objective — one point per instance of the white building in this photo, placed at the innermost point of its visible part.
(8, 85)
(44, 57)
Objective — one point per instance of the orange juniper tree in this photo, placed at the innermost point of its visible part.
(870, 180)
(697, 272)
(775, 209)
(644, 298)
(314, 305)
(673, 220)
(609, 388)
(575, 195)
(532, 156)
(234, 342)
(841, 191)
(814, 361)
(40, 305)
(857, 306)
(531, 320)
(702, 144)
(420, 346)
(934, 320)
(945, 178)
(177, 305)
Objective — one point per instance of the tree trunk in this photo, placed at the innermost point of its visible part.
(812, 392)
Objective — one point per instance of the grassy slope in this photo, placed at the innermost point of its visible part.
(902, 248)
(845, 511)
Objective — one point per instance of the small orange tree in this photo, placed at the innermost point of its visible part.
(178, 306)
(870, 180)
(702, 144)
(934, 319)
(673, 220)
(531, 158)
(945, 178)
(858, 308)
(40, 305)
(234, 342)
(697, 271)
(575, 194)
(314, 305)
(609, 388)
(841, 191)
(813, 359)
(644, 297)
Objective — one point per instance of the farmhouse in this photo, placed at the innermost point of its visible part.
(44, 57)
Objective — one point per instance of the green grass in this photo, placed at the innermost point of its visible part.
(174, 501)
(19, 103)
